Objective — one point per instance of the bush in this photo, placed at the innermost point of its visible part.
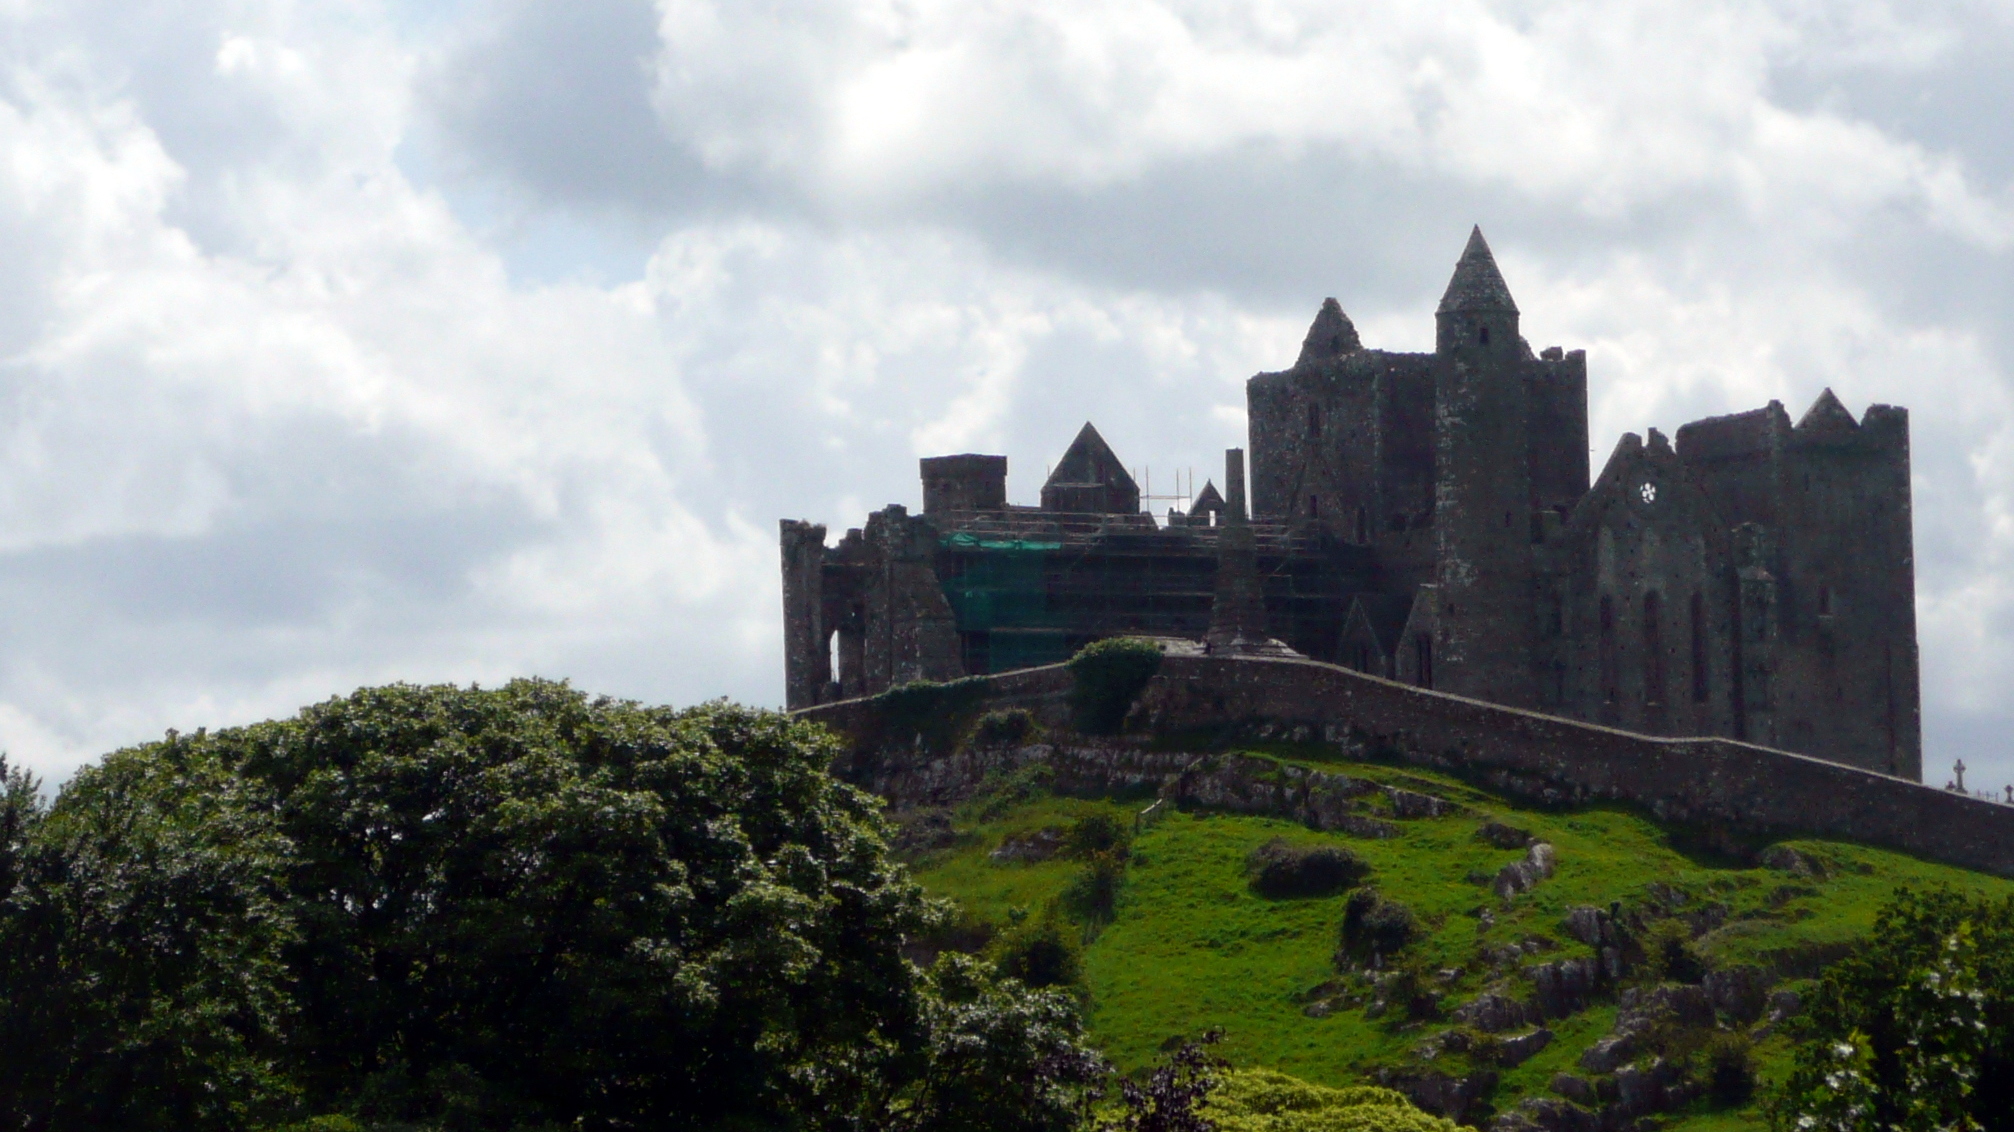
(1279, 869)
(1669, 954)
(1110, 674)
(1041, 953)
(1915, 1029)
(1261, 1100)
(1730, 1069)
(1009, 728)
(1374, 926)
(1096, 833)
(1093, 895)
(933, 713)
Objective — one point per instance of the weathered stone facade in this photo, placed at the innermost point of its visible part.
(1429, 518)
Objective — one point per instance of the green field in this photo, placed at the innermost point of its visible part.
(1191, 947)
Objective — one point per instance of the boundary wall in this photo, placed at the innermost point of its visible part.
(1718, 784)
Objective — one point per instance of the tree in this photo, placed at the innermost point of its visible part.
(474, 909)
(141, 981)
(1914, 1030)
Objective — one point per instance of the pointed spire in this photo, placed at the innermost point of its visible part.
(1477, 284)
(1827, 415)
(1331, 336)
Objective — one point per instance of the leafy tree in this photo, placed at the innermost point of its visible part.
(1915, 1030)
(1002, 1058)
(470, 909)
(141, 941)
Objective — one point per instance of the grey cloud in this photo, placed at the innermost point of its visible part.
(553, 101)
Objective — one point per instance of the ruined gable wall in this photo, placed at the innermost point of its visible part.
(1645, 658)
(1711, 782)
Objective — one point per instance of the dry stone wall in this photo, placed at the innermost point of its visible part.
(1201, 704)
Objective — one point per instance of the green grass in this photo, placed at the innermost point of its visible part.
(1192, 948)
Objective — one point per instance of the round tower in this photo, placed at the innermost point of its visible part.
(1482, 489)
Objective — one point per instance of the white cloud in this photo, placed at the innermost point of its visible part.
(316, 368)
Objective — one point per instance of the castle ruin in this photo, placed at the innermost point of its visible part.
(1428, 518)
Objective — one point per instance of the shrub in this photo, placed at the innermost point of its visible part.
(1261, 1100)
(932, 712)
(1093, 894)
(1730, 1069)
(1097, 833)
(1009, 728)
(1041, 953)
(1915, 1028)
(1374, 926)
(1669, 955)
(1109, 675)
(1279, 869)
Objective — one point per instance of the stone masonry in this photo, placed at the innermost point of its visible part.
(1430, 518)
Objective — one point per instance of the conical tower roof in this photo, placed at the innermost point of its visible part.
(1477, 284)
(1331, 336)
(1090, 460)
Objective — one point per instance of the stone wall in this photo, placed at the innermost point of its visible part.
(1718, 784)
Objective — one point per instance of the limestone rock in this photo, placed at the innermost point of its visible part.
(1501, 836)
(1640, 1008)
(1491, 1013)
(1655, 1087)
(1573, 1088)
(1738, 992)
(1516, 1051)
(1784, 1005)
(1544, 1114)
(1564, 986)
(1411, 804)
(1523, 876)
(1439, 1093)
(1607, 1054)
(1037, 846)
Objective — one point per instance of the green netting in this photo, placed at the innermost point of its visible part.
(964, 540)
(1001, 593)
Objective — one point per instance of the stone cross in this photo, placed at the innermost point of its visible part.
(1960, 768)
(2010, 795)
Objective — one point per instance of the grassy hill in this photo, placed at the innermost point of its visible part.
(1190, 946)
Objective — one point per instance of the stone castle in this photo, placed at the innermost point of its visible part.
(1428, 518)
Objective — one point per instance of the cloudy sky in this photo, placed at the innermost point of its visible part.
(344, 342)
